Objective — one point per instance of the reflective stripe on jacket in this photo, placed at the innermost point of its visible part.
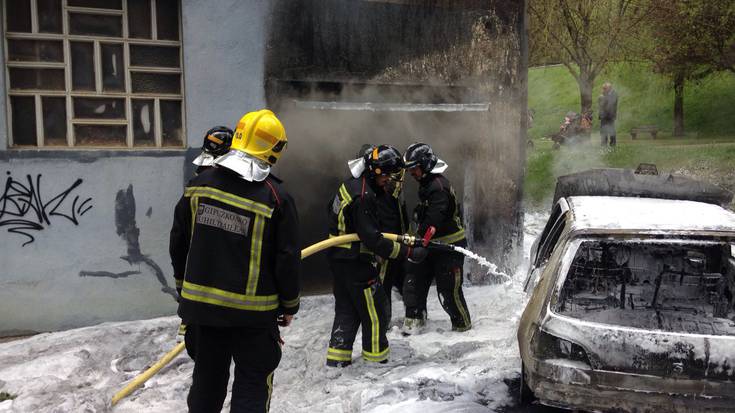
(438, 207)
(235, 251)
(353, 209)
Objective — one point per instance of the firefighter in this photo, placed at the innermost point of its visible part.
(438, 207)
(235, 253)
(359, 296)
(392, 218)
(217, 142)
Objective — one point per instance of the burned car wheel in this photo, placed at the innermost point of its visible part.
(525, 395)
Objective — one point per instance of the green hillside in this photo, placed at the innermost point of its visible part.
(645, 98)
(707, 152)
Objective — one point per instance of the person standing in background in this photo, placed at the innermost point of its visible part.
(608, 112)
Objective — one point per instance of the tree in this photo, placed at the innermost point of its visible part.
(583, 35)
(689, 41)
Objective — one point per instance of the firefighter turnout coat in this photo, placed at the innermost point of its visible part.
(438, 207)
(360, 299)
(354, 209)
(235, 251)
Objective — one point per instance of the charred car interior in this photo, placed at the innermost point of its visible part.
(680, 287)
(632, 297)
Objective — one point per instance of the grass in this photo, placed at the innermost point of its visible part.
(707, 152)
(6, 396)
(709, 159)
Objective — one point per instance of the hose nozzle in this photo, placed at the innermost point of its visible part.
(436, 245)
(408, 240)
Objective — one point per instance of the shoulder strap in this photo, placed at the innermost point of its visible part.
(273, 190)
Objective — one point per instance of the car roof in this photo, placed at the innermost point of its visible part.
(646, 214)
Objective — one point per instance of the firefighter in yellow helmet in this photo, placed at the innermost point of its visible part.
(235, 253)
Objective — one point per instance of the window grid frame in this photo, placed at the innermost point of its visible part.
(97, 41)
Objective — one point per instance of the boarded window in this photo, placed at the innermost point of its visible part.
(24, 120)
(95, 24)
(54, 121)
(73, 79)
(82, 66)
(144, 122)
(23, 50)
(113, 75)
(49, 16)
(171, 123)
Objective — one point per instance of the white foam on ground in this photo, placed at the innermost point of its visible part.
(437, 371)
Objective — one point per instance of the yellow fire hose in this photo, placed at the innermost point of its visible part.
(319, 246)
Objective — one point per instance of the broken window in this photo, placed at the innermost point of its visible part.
(91, 73)
(683, 286)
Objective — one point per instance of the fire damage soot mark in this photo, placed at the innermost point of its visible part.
(23, 209)
(128, 230)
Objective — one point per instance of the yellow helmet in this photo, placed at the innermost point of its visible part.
(261, 135)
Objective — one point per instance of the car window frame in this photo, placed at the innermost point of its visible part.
(575, 242)
(552, 233)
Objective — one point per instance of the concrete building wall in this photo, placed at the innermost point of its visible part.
(84, 232)
(224, 44)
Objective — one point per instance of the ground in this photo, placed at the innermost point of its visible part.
(437, 371)
(708, 159)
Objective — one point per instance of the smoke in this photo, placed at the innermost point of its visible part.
(381, 73)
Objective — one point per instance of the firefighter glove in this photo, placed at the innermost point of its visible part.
(417, 254)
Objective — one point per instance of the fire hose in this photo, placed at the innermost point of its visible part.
(313, 249)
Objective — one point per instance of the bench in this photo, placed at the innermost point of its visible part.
(652, 129)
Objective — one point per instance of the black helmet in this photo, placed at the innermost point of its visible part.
(421, 155)
(383, 160)
(365, 149)
(217, 141)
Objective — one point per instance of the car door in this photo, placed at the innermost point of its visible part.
(545, 244)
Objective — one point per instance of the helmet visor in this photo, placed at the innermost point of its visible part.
(280, 146)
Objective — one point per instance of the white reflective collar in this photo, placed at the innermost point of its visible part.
(357, 167)
(440, 167)
(249, 168)
(204, 159)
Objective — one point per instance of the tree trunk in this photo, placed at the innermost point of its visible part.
(585, 92)
(679, 105)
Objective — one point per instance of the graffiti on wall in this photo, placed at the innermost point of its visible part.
(26, 208)
(127, 228)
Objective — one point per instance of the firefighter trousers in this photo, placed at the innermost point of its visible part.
(359, 300)
(256, 353)
(394, 273)
(391, 275)
(446, 268)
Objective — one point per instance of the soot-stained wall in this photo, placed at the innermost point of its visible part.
(327, 58)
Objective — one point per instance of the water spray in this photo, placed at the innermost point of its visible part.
(492, 269)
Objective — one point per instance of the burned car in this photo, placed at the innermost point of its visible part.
(632, 301)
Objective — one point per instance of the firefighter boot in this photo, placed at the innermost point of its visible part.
(413, 325)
